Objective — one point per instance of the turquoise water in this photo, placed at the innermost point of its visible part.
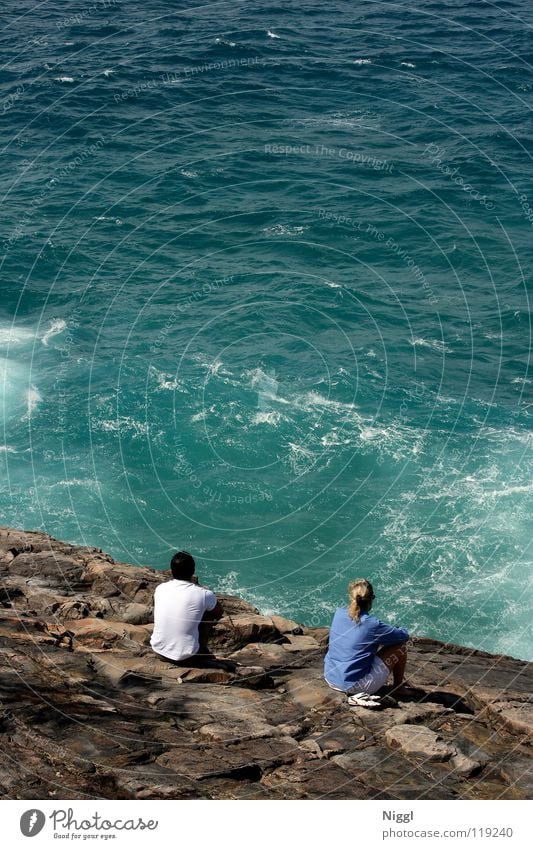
(264, 295)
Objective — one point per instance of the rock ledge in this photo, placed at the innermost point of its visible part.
(88, 711)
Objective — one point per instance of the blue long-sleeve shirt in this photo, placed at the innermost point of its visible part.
(352, 646)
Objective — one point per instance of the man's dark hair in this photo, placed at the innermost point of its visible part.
(182, 566)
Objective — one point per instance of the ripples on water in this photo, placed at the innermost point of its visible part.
(265, 278)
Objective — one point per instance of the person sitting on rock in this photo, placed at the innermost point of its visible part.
(363, 650)
(184, 614)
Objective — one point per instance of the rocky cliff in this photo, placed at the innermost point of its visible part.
(87, 710)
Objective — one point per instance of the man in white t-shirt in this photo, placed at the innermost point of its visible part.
(183, 614)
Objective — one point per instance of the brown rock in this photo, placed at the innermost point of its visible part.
(87, 710)
(396, 776)
(137, 614)
(311, 692)
(301, 643)
(286, 626)
(517, 770)
(102, 633)
(317, 779)
(517, 716)
(418, 741)
(205, 676)
(270, 654)
(57, 568)
(242, 629)
(465, 766)
(241, 759)
(237, 730)
(75, 609)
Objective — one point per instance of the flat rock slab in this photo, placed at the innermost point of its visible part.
(332, 742)
(286, 626)
(243, 629)
(465, 766)
(245, 728)
(241, 759)
(270, 655)
(419, 741)
(395, 775)
(317, 780)
(301, 643)
(518, 771)
(309, 690)
(516, 716)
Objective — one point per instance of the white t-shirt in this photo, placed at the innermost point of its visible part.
(178, 610)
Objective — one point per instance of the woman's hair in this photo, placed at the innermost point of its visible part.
(361, 596)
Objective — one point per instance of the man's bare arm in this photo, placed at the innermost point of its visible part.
(217, 612)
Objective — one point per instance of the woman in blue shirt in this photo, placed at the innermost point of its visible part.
(363, 650)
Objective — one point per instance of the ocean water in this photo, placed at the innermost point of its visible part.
(265, 279)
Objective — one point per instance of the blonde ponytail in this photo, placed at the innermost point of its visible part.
(361, 596)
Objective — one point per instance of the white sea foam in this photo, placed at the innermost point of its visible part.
(369, 433)
(165, 382)
(504, 436)
(200, 416)
(214, 367)
(329, 440)
(300, 458)
(407, 64)
(266, 386)
(56, 327)
(14, 377)
(108, 218)
(510, 490)
(362, 61)
(123, 425)
(270, 417)
(11, 373)
(230, 584)
(284, 230)
(315, 399)
(64, 79)
(10, 335)
(348, 120)
(226, 43)
(7, 449)
(86, 483)
(33, 397)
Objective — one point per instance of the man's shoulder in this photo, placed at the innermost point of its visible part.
(206, 591)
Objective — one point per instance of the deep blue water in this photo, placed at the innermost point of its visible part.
(265, 272)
